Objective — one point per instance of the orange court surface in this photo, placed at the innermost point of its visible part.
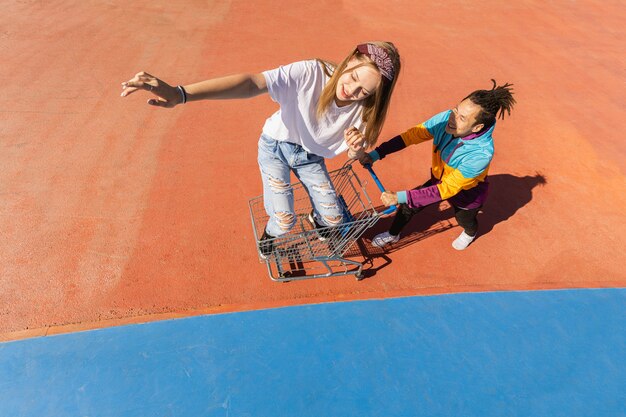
(113, 211)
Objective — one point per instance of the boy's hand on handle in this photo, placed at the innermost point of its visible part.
(166, 95)
(389, 198)
(366, 159)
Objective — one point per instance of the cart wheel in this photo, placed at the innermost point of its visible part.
(359, 276)
(284, 276)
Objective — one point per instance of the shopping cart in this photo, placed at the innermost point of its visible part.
(306, 252)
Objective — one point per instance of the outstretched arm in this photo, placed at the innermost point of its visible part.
(413, 136)
(229, 87)
(467, 176)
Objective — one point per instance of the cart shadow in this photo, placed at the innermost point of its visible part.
(507, 194)
(432, 221)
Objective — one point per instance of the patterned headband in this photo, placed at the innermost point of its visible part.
(380, 58)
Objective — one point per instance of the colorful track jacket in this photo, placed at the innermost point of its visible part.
(459, 165)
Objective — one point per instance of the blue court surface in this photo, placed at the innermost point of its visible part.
(541, 353)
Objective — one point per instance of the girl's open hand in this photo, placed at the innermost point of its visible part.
(166, 95)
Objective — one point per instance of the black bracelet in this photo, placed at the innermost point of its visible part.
(183, 93)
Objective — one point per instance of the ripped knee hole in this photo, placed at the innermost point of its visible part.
(277, 184)
(333, 220)
(285, 220)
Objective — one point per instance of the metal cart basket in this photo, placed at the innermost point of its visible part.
(309, 252)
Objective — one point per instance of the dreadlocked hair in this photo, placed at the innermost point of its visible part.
(498, 99)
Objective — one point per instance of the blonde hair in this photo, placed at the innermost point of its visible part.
(374, 106)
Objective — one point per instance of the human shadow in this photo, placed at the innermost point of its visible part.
(507, 194)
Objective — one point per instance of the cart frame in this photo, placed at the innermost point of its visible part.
(319, 250)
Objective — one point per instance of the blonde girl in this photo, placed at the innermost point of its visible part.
(324, 110)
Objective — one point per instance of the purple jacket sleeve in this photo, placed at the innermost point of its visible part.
(392, 145)
(422, 196)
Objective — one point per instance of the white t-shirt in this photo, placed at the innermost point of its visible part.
(296, 88)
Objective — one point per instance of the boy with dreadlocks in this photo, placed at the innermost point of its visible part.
(462, 152)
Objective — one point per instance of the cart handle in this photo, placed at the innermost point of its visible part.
(391, 209)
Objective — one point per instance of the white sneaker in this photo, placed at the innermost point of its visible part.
(463, 241)
(384, 238)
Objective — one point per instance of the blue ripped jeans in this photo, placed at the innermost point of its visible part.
(276, 160)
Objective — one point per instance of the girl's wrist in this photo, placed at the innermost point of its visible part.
(182, 94)
(352, 154)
